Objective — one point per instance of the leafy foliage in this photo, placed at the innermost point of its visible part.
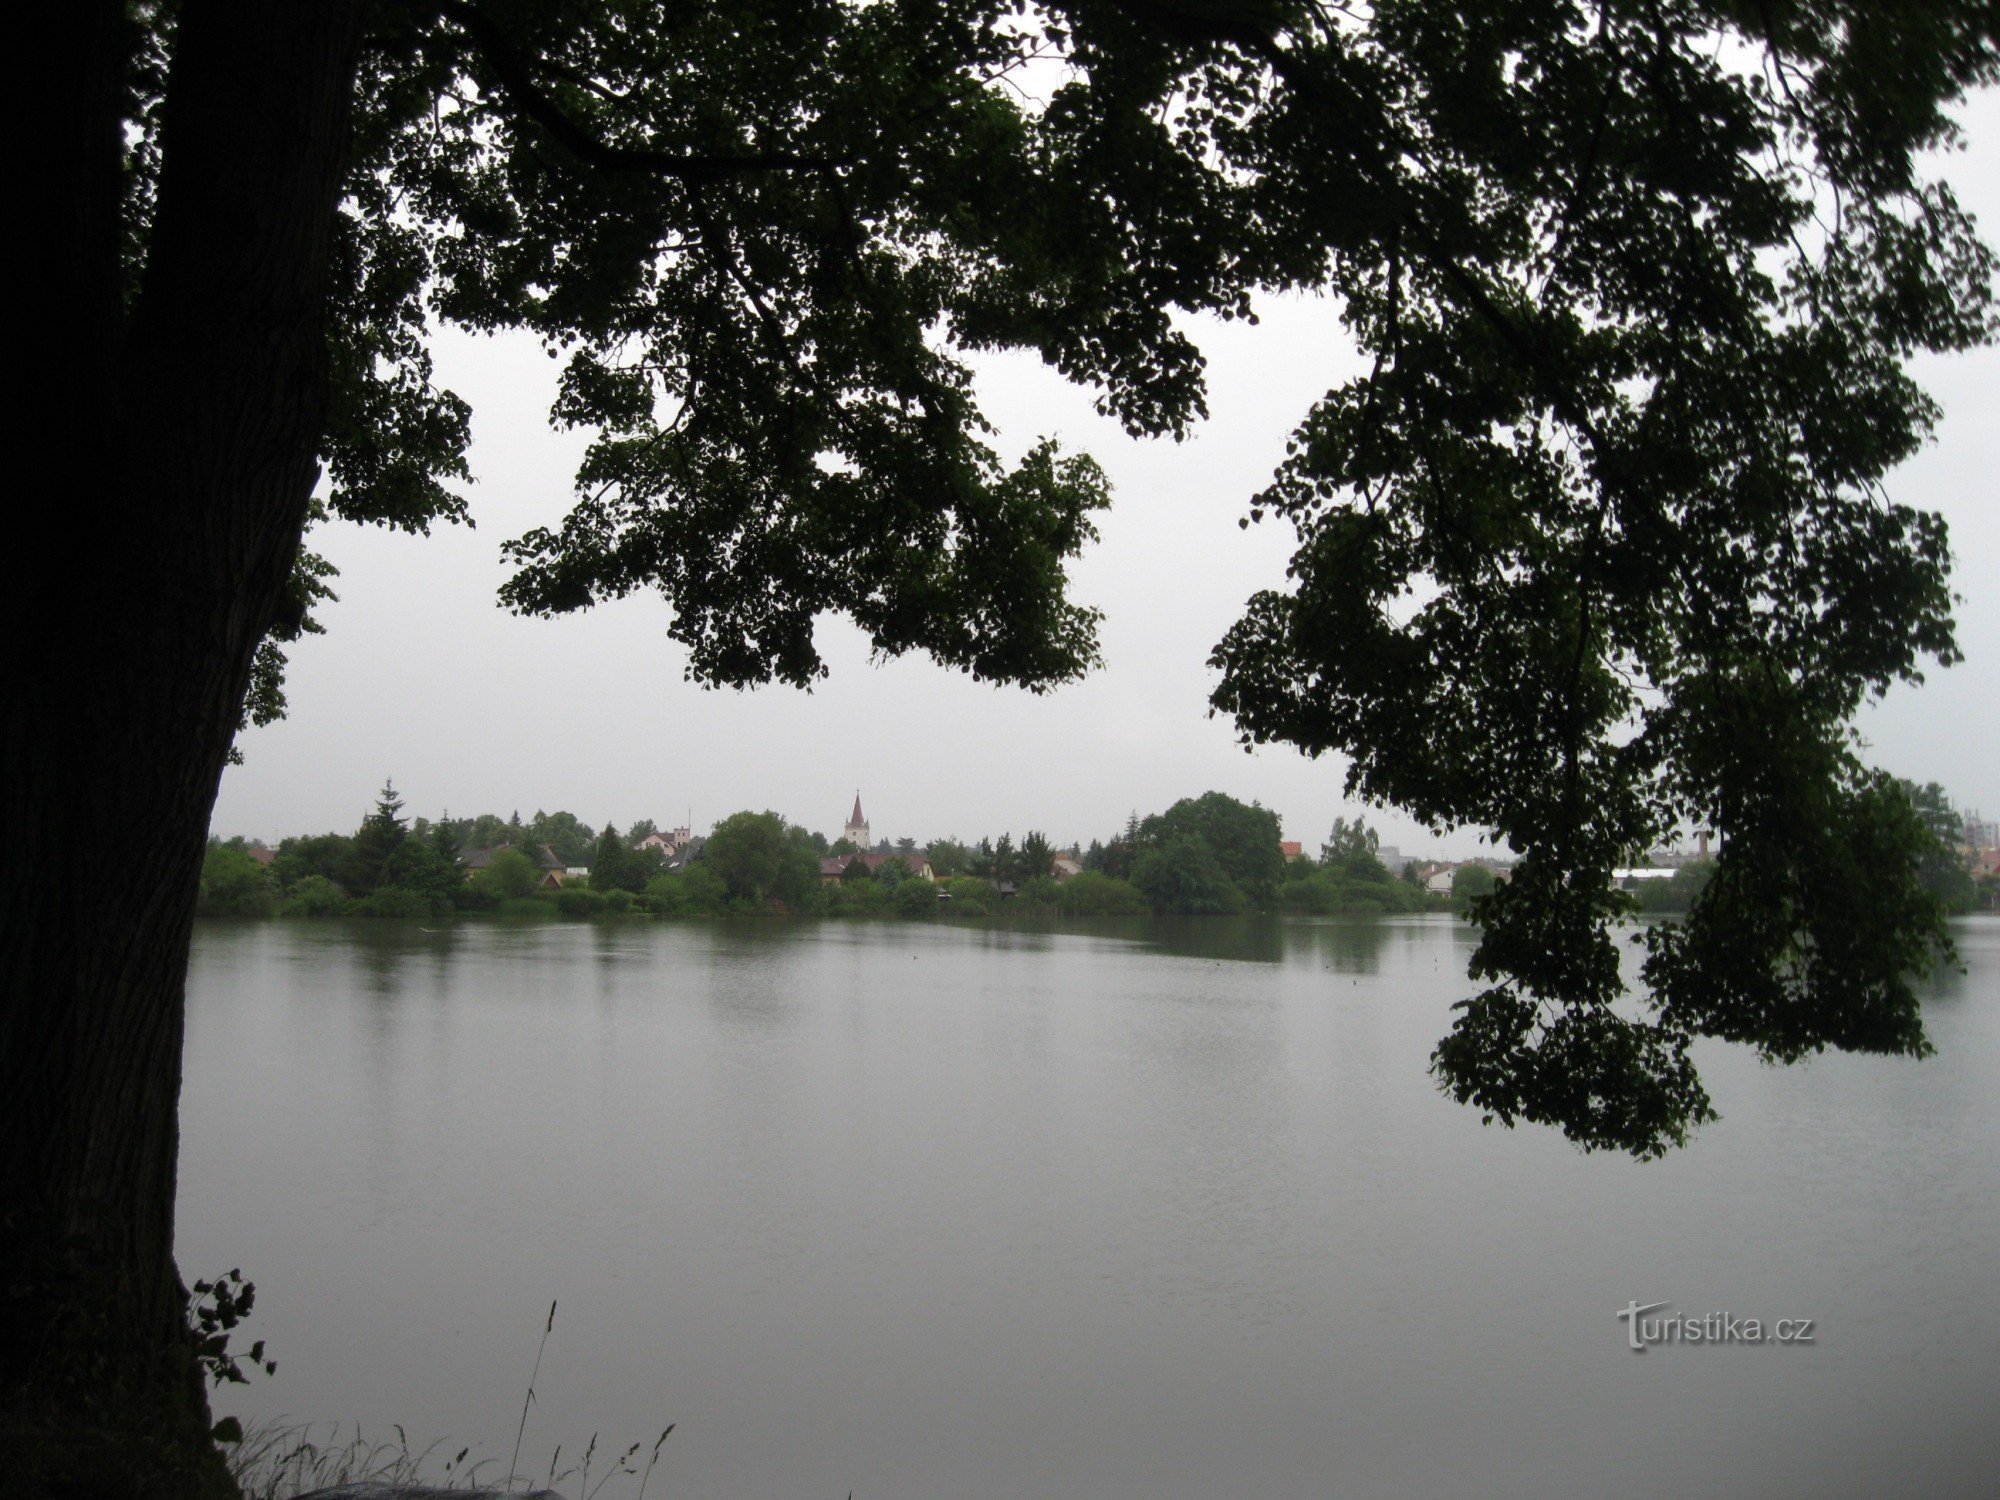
(1471, 882)
(914, 898)
(569, 836)
(420, 868)
(1036, 855)
(695, 891)
(510, 875)
(233, 884)
(1350, 851)
(616, 866)
(1677, 894)
(1596, 551)
(1240, 839)
(215, 1308)
(381, 836)
(313, 896)
(584, 901)
(1181, 873)
(313, 856)
(1095, 895)
(760, 859)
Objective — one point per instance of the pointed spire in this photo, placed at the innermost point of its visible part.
(857, 820)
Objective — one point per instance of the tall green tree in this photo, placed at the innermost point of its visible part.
(375, 844)
(1115, 858)
(1350, 851)
(417, 867)
(324, 855)
(1241, 837)
(1179, 872)
(763, 859)
(565, 833)
(609, 860)
(1629, 403)
(1005, 861)
(616, 866)
(232, 883)
(980, 861)
(489, 831)
(445, 843)
(948, 857)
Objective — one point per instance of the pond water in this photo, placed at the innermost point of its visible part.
(1151, 1209)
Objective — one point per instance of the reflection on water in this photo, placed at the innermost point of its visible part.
(1344, 944)
(1128, 1207)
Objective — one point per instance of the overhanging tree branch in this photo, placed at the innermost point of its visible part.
(515, 69)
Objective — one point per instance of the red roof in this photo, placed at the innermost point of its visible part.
(857, 818)
(835, 864)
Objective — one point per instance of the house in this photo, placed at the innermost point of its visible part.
(669, 841)
(1292, 849)
(685, 854)
(553, 870)
(835, 865)
(262, 853)
(1064, 866)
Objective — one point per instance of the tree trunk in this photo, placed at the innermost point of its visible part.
(184, 423)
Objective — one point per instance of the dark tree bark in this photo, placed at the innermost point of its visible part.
(184, 424)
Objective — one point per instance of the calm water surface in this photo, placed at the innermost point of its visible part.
(934, 1211)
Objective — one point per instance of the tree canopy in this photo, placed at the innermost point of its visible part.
(375, 843)
(1597, 552)
(1595, 549)
(1240, 839)
(761, 858)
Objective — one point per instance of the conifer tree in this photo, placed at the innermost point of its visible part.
(375, 843)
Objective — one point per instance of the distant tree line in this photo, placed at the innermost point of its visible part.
(1207, 855)
(381, 869)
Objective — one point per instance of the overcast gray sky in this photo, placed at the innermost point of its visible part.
(421, 676)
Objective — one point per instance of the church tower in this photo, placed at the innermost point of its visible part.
(856, 831)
